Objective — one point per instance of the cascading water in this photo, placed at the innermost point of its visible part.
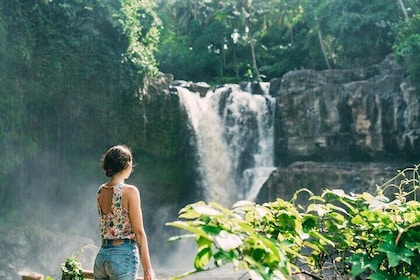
(233, 134)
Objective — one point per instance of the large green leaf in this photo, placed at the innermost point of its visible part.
(394, 253)
(202, 258)
(195, 227)
(363, 262)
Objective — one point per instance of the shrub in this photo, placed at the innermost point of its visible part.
(372, 236)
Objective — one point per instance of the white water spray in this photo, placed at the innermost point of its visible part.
(214, 165)
(233, 131)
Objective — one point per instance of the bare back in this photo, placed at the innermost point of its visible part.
(105, 199)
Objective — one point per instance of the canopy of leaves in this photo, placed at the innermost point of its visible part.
(408, 46)
(223, 40)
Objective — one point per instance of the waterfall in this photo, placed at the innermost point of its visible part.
(233, 133)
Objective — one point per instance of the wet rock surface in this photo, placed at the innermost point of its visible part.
(367, 114)
(356, 177)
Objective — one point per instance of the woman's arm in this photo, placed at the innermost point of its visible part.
(136, 219)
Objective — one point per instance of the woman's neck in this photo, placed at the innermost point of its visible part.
(115, 180)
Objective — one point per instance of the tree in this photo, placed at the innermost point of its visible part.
(359, 32)
(141, 25)
(407, 45)
(268, 38)
(239, 27)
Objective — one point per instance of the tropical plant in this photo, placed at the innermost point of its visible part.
(362, 235)
(264, 39)
(140, 25)
(357, 33)
(72, 269)
(408, 46)
(226, 35)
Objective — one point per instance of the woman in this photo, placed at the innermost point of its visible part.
(120, 222)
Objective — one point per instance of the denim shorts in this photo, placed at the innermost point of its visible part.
(117, 262)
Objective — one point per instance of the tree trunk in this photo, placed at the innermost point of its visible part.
(323, 49)
(401, 4)
(254, 59)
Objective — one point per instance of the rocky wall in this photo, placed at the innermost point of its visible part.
(364, 114)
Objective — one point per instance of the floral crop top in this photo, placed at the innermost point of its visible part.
(116, 223)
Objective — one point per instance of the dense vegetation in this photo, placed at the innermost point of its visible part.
(236, 40)
(72, 73)
(365, 236)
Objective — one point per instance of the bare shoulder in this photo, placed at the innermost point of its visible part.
(131, 189)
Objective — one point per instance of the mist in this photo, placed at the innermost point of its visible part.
(59, 213)
(50, 213)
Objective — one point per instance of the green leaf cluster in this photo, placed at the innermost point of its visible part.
(72, 269)
(408, 46)
(372, 236)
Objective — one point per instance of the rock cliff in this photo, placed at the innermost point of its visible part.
(349, 129)
(366, 114)
(356, 177)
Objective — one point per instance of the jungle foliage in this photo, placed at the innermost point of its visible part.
(335, 234)
(70, 75)
(259, 40)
